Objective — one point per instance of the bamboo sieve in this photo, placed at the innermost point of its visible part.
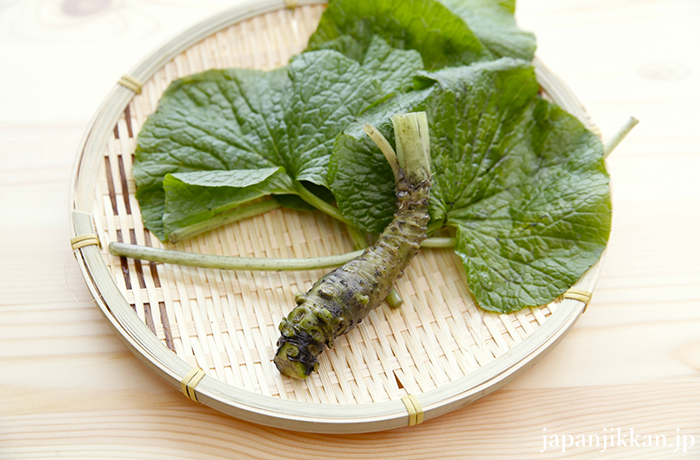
(212, 333)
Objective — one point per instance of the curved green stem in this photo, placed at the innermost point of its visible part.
(318, 203)
(384, 147)
(435, 225)
(617, 138)
(359, 241)
(169, 256)
(227, 262)
(239, 213)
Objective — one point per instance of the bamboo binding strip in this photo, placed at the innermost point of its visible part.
(83, 240)
(132, 83)
(438, 347)
(581, 295)
(414, 409)
(190, 381)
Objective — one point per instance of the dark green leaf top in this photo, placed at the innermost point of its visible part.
(393, 67)
(439, 35)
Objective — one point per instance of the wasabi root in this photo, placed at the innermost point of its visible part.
(344, 297)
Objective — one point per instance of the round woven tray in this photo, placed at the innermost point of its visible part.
(436, 353)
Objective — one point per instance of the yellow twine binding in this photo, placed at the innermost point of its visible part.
(132, 83)
(189, 381)
(580, 295)
(415, 411)
(87, 239)
(291, 4)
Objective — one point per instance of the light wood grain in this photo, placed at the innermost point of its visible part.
(71, 389)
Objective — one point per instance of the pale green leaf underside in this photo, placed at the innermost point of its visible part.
(197, 196)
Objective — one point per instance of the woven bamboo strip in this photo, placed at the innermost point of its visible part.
(438, 345)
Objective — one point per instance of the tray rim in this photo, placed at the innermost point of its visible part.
(243, 404)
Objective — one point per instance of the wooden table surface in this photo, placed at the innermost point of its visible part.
(630, 368)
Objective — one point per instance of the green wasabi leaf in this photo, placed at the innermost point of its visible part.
(493, 22)
(533, 210)
(236, 119)
(393, 67)
(522, 182)
(439, 35)
(215, 120)
(362, 180)
(194, 197)
(346, 45)
(328, 91)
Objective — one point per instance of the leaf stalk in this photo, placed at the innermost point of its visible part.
(191, 259)
(227, 262)
(619, 136)
(306, 195)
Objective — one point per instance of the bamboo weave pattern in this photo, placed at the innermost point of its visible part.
(225, 322)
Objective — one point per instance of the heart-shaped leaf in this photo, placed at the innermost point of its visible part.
(522, 182)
